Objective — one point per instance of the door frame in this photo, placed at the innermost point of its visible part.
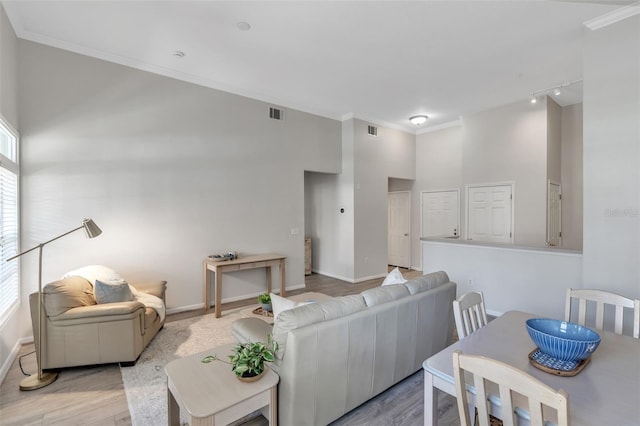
(457, 191)
(512, 184)
(559, 185)
(408, 221)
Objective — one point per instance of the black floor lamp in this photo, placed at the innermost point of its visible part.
(37, 381)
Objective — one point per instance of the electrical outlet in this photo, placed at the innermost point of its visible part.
(470, 282)
(366, 259)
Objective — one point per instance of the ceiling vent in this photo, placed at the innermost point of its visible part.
(276, 113)
(372, 130)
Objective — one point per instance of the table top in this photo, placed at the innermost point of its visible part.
(247, 259)
(607, 391)
(205, 389)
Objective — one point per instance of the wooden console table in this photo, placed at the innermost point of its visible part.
(247, 262)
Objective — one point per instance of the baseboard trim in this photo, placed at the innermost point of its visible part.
(176, 310)
(13, 354)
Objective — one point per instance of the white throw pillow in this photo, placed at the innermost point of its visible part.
(112, 291)
(394, 277)
(279, 304)
(95, 272)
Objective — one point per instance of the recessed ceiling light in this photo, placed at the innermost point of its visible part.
(179, 54)
(243, 26)
(557, 92)
(418, 119)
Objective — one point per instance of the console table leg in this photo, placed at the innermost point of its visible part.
(268, 268)
(217, 288)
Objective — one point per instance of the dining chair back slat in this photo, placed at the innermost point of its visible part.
(602, 299)
(510, 382)
(469, 313)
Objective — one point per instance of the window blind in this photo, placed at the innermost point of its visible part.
(9, 276)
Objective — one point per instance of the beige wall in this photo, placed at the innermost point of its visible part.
(171, 172)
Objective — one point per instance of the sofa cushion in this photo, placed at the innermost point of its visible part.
(312, 313)
(426, 282)
(394, 277)
(112, 291)
(280, 304)
(60, 296)
(378, 295)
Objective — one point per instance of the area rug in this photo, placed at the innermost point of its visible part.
(145, 383)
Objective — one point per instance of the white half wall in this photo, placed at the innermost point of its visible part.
(511, 278)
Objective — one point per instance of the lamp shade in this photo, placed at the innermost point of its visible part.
(91, 229)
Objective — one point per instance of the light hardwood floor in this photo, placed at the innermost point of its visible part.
(95, 395)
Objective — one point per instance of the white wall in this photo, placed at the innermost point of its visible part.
(530, 280)
(509, 144)
(554, 140)
(571, 148)
(10, 330)
(376, 158)
(612, 157)
(171, 172)
(438, 167)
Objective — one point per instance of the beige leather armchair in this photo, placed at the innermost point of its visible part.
(77, 331)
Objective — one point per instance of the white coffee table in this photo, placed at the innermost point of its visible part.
(210, 394)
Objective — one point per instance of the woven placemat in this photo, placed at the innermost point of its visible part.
(551, 365)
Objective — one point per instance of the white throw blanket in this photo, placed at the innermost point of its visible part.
(150, 301)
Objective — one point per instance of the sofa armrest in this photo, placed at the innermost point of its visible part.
(251, 330)
(100, 310)
(154, 288)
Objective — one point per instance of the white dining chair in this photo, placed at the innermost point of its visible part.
(603, 298)
(511, 383)
(469, 313)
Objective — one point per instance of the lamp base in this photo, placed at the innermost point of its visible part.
(33, 382)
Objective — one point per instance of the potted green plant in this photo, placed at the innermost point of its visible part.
(247, 359)
(265, 301)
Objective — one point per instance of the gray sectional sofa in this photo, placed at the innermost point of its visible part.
(336, 354)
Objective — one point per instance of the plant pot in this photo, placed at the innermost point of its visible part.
(250, 379)
(266, 307)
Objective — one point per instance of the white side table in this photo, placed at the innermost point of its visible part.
(210, 394)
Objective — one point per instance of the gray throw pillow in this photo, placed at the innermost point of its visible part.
(112, 291)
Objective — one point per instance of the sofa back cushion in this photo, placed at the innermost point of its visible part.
(312, 313)
(62, 295)
(426, 282)
(378, 295)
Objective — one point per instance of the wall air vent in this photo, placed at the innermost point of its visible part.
(372, 130)
(276, 113)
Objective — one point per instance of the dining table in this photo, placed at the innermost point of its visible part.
(605, 392)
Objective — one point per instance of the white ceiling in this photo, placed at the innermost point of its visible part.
(379, 61)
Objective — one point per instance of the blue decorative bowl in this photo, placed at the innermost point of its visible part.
(563, 340)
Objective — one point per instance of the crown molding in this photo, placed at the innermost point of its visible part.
(447, 125)
(613, 17)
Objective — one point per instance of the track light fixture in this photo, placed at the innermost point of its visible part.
(554, 89)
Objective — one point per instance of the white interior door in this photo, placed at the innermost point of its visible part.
(399, 229)
(489, 213)
(554, 214)
(440, 212)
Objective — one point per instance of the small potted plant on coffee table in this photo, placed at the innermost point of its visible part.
(265, 302)
(247, 359)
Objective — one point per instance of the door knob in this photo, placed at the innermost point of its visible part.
(406, 235)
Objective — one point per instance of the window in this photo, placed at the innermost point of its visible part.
(9, 271)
